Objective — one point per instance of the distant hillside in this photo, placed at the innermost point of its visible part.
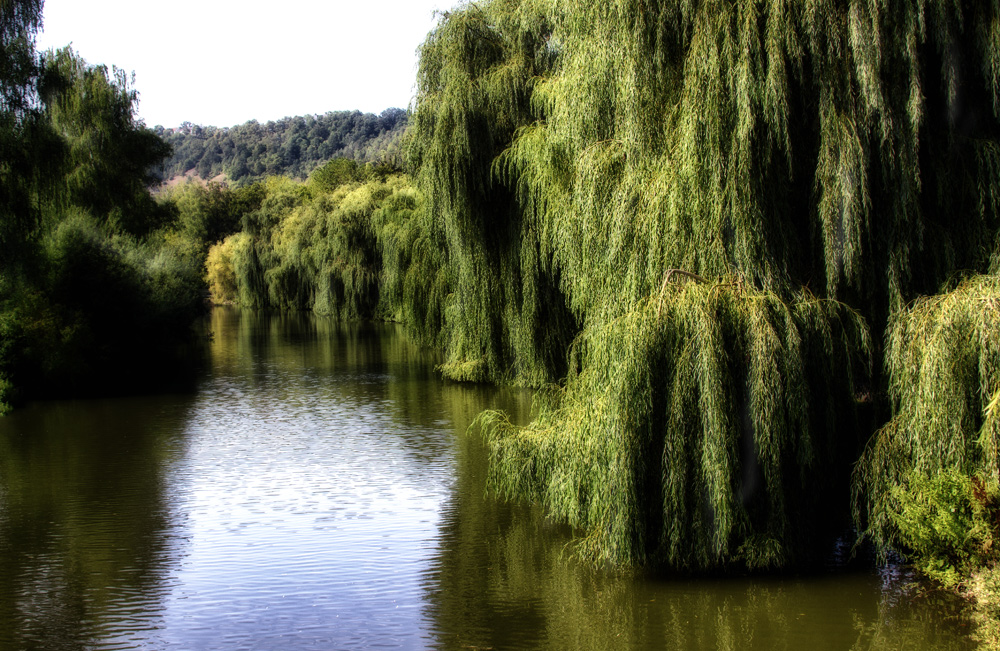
(290, 146)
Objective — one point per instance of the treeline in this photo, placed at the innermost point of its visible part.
(291, 147)
(353, 252)
(100, 281)
(751, 248)
(751, 251)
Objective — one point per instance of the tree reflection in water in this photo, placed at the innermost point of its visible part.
(506, 578)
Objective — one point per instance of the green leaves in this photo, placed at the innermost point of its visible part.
(110, 154)
(337, 172)
(82, 285)
(572, 154)
(947, 521)
(943, 360)
(687, 437)
(294, 146)
(356, 251)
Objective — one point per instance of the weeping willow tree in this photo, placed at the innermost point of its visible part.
(812, 166)
(355, 251)
(943, 358)
(506, 319)
(687, 436)
(415, 280)
(818, 144)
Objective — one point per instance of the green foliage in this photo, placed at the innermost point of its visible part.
(948, 521)
(122, 291)
(335, 173)
(246, 269)
(293, 147)
(206, 214)
(82, 287)
(31, 168)
(416, 280)
(356, 251)
(219, 272)
(985, 591)
(27, 145)
(726, 136)
(105, 296)
(943, 360)
(574, 156)
(699, 429)
(109, 152)
(507, 319)
(6, 397)
(19, 21)
(11, 342)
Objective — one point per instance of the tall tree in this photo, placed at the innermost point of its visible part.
(730, 196)
(21, 134)
(110, 153)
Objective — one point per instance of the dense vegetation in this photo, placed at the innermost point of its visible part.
(353, 250)
(702, 227)
(84, 280)
(93, 267)
(743, 225)
(720, 205)
(747, 250)
(291, 147)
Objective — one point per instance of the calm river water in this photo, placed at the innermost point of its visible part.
(319, 491)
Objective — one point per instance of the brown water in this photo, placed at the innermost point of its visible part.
(319, 491)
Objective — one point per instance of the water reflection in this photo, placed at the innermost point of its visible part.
(506, 579)
(317, 461)
(86, 537)
(318, 490)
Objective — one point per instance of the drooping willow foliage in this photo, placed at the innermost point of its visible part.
(477, 71)
(355, 251)
(699, 218)
(819, 143)
(687, 437)
(574, 155)
(943, 357)
(415, 278)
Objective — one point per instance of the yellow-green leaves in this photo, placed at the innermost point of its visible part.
(943, 360)
(572, 154)
(687, 437)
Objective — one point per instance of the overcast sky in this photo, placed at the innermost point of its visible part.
(223, 62)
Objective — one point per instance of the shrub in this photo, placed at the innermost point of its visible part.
(947, 521)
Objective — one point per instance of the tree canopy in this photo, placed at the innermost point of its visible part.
(83, 281)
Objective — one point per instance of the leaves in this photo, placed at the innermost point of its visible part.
(943, 360)
(573, 154)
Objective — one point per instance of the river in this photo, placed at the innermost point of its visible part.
(319, 490)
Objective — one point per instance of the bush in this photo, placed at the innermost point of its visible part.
(948, 521)
(102, 297)
(984, 588)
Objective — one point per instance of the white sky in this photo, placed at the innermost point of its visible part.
(224, 62)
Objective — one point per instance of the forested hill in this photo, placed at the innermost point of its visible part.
(291, 146)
